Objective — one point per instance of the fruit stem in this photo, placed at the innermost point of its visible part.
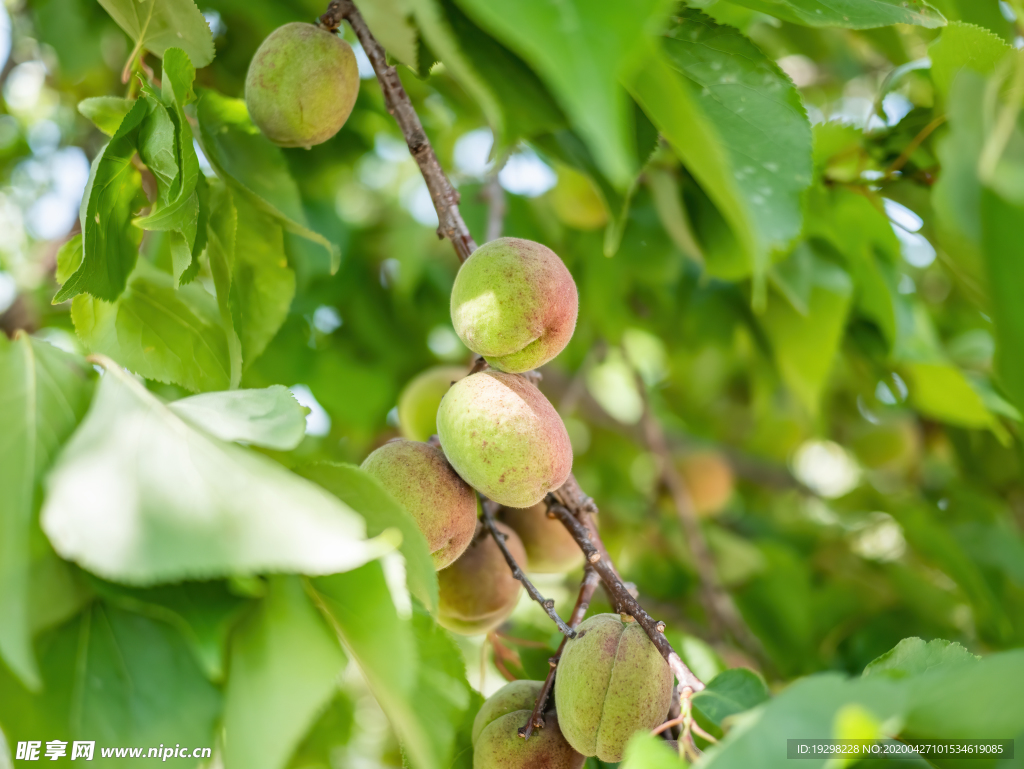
(536, 720)
(589, 542)
(442, 194)
(517, 571)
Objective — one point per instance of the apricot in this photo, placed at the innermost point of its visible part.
(417, 405)
(709, 479)
(496, 740)
(550, 548)
(515, 303)
(478, 591)
(611, 683)
(420, 478)
(504, 438)
(301, 85)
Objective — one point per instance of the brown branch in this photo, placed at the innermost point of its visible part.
(722, 612)
(587, 588)
(445, 198)
(589, 541)
(546, 603)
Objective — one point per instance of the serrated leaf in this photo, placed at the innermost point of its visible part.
(270, 417)
(166, 502)
(203, 612)
(106, 112)
(248, 161)
(159, 331)
(168, 150)
(581, 50)
(392, 25)
(855, 14)
(285, 664)
(43, 394)
(115, 678)
(365, 495)
(757, 116)
(914, 655)
(156, 25)
(112, 196)
(69, 258)
(964, 46)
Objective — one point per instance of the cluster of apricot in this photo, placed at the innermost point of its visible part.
(515, 304)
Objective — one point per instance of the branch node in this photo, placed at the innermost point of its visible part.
(660, 627)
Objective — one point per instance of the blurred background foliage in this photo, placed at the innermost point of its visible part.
(850, 351)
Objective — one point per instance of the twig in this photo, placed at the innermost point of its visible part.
(904, 156)
(579, 611)
(586, 538)
(517, 572)
(445, 198)
(479, 364)
(722, 612)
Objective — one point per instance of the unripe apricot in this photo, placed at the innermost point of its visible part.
(301, 85)
(478, 591)
(417, 405)
(504, 438)
(611, 683)
(515, 303)
(420, 478)
(550, 547)
(709, 480)
(496, 740)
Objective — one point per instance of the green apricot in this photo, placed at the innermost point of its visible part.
(496, 740)
(420, 478)
(478, 591)
(611, 683)
(515, 303)
(417, 405)
(550, 548)
(504, 438)
(301, 85)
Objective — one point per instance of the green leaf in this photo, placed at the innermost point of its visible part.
(964, 46)
(582, 50)
(913, 655)
(248, 161)
(262, 283)
(106, 112)
(118, 679)
(365, 495)
(406, 663)
(140, 497)
(392, 25)
(757, 116)
(644, 751)
(806, 345)
(670, 102)
(221, 232)
(159, 331)
(69, 258)
(285, 665)
(855, 14)
(171, 144)
(113, 194)
(1004, 257)
(271, 417)
(941, 391)
(156, 25)
(43, 394)
(332, 731)
(203, 612)
(730, 692)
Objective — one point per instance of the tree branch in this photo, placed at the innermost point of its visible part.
(591, 579)
(445, 198)
(517, 572)
(588, 540)
(722, 612)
